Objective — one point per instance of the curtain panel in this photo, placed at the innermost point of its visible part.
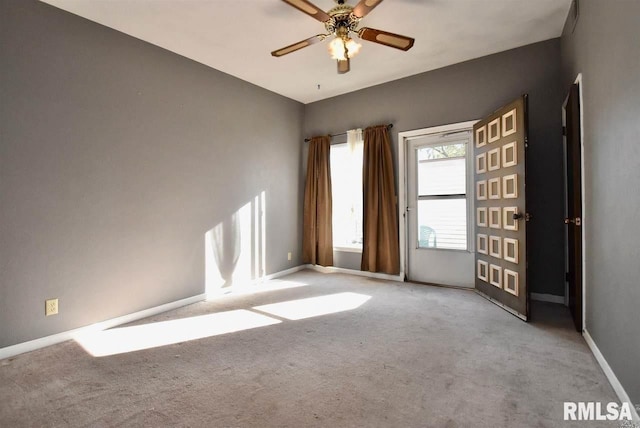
(381, 248)
(317, 235)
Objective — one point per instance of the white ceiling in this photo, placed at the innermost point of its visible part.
(237, 36)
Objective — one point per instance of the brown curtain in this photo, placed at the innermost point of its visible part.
(380, 249)
(317, 238)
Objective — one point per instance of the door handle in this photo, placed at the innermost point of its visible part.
(577, 221)
(520, 216)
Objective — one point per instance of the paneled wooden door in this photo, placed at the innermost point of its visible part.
(500, 142)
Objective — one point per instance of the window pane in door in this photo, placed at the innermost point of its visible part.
(442, 151)
(442, 177)
(442, 223)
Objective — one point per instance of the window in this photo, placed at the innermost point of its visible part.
(442, 195)
(346, 186)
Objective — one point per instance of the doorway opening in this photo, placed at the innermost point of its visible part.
(435, 204)
(572, 127)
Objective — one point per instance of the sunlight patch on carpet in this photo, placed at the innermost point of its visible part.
(136, 338)
(315, 306)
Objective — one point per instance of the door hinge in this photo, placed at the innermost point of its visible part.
(564, 131)
(566, 276)
(528, 217)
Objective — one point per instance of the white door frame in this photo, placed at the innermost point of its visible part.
(584, 226)
(403, 138)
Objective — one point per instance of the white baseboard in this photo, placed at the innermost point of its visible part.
(32, 345)
(333, 269)
(42, 342)
(285, 272)
(552, 298)
(608, 372)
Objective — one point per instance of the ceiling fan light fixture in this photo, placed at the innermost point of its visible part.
(337, 48)
(339, 22)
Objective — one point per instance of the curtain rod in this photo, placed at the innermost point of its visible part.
(306, 140)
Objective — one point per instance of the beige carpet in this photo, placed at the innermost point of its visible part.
(332, 350)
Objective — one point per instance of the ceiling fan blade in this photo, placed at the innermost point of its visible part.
(385, 38)
(344, 66)
(297, 46)
(364, 7)
(309, 8)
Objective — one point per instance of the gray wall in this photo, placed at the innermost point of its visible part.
(116, 157)
(468, 91)
(604, 47)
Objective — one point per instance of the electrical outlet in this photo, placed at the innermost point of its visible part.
(51, 307)
(289, 256)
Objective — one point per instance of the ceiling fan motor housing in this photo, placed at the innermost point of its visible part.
(342, 20)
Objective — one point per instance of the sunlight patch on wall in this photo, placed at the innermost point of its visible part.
(235, 249)
(153, 335)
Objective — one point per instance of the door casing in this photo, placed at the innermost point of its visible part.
(403, 140)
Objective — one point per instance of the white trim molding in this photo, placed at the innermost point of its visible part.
(608, 372)
(584, 196)
(285, 272)
(333, 269)
(403, 139)
(43, 342)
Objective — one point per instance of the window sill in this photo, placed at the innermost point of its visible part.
(348, 249)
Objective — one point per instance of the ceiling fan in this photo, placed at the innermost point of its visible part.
(340, 22)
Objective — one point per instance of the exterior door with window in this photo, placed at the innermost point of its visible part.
(500, 208)
(437, 208)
